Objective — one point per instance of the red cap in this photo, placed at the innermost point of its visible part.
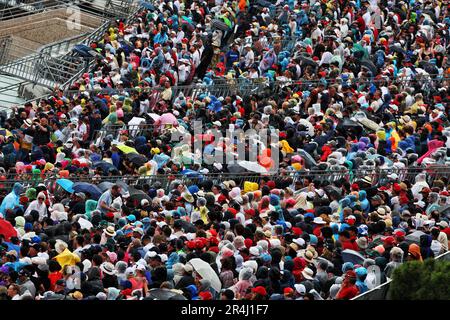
(271, 184)
(190, 244)
(397, 187)
(260, 290)
(290, 202)
(297, 231)
(355, 187)
(205, 295)
(389, 241)
(109, 215)
(399, 233)
(222, 199)
(288, 290)
(213, 241)
(232, 210)
(248, 243)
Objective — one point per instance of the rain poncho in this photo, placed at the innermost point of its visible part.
(12, 200)
(67, 258)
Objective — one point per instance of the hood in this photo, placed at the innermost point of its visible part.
(17, 189)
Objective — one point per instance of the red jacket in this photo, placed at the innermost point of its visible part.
(347, 293)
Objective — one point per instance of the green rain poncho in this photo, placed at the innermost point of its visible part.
(90, 206)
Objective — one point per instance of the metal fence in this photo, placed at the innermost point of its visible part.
(382, 291)
(5, 44)
(54, 64)
(20, 8)
(377, 177)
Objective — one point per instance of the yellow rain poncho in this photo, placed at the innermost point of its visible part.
(285, 147)
(67, 258)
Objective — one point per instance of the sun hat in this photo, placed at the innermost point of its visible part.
(308, 274)
(110, 231)
(108, 268)
(319, 220)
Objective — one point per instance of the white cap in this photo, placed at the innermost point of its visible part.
(300, 288)
(150, 254)
(300, 241)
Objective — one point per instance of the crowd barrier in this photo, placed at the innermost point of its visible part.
(382, 291)
(377, 177)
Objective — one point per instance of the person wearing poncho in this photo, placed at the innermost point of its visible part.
(12, 200)
(38, 205)
(67, 258)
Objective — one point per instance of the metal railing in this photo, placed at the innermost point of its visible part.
(20, 8)
(5, 45)
(382, 291)
(378, 177)
(54, 64)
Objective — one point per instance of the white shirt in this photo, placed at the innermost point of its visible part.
(41, 208)
(249, 58)
(436, 247)
(196, 58)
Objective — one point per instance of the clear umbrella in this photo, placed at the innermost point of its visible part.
(206, 272)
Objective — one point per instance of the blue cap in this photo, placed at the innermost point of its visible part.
(361, 271)
(309, 215)
(131, 217)
(347, 266)
(193, 189)
(146, 220)
(313, 239)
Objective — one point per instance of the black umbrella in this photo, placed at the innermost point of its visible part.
(188, 227)
(105, 186)
(164, 294)
(123, 185)
(137, 159)
(309, 160)
(136, 194)
(105, 166)
(304, 60)
(397, 49)
(85, 187)
(216, 23)
(352, 256)
(428, 67)
(332, 190)
(264, 3)
(348, 124)
(367, 64)
(414, 237)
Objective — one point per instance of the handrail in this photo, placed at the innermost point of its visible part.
(366, 295)
(240, 178)
(38, 5)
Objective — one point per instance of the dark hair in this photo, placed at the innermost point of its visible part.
(54, 266)
(229, 294)
(97, 259)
